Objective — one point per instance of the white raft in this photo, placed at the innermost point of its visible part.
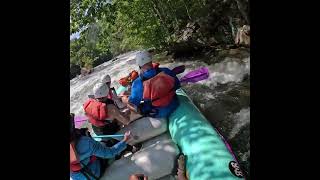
(156, 159)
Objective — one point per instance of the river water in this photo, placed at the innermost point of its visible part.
(223, 98)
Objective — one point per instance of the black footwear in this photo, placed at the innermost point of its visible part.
(117, 157)
(136, 148)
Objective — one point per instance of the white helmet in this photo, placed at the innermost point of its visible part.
(106, 79)
(142, 58)
(100, 90)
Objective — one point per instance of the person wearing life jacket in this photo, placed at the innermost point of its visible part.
(155, 87)
(107, 80)
(113, 98)
(100, 111)
(127, 81)
(87, 155)
(133, 75)
(112, 95)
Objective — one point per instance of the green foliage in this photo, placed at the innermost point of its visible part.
(116, 26)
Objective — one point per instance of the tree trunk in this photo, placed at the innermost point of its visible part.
(173, 13)
(156, 10)
(233, 29)
(159, 16)
(163, 10)
(241, 7)
(185, 5)
(200, 3)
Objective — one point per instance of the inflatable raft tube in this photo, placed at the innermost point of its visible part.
(145, 128)
(141, 129)
(168, 177)
(207, 156)
(156, 159)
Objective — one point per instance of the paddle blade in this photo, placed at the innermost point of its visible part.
(196, 75)
(79, 121)
(179, 69)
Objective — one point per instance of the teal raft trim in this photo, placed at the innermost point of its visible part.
(207, 157)
(109, 136)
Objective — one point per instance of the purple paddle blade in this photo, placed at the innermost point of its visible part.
(179, 69)
(79, 121)
(196, 75)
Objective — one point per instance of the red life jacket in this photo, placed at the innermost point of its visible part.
(75, 165)
(96, 112)
(159, 89)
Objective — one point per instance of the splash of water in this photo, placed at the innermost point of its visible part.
(241, 119)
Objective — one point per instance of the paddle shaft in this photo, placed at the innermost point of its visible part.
(81, 120)
(106, 136)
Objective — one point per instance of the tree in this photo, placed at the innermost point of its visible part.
(121, 25)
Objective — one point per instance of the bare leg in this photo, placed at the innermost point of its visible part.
(181, 168)
(134, 116)
(133, 110)
(114, 113)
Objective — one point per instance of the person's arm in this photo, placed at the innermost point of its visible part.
(125, 100)
(124, 93)
(102, 151)
(132, 107)
(136, 94)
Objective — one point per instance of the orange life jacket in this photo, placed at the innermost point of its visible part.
(134, 75)
(96, 112)
(75, 165)
(159, 89)
(125, 81)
